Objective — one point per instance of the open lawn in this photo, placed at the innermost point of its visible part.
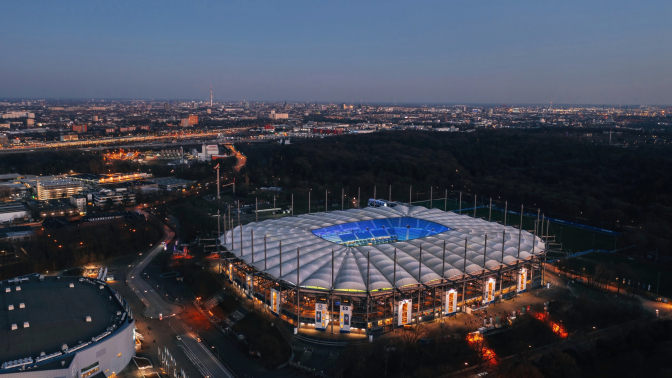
(636, 271)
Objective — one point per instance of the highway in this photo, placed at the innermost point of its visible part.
(155, 305)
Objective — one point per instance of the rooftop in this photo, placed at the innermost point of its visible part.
(56, 314)
(415, 237)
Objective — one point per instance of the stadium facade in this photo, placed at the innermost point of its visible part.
(63, 327)
(376, 268)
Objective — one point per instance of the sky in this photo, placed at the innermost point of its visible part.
(451, 51)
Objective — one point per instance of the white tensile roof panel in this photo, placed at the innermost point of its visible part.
(351, 264)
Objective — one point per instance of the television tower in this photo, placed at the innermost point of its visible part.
(211, 96)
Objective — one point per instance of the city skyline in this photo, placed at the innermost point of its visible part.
(435, 53)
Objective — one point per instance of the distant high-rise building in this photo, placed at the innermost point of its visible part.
(275, 116)
(80, 128)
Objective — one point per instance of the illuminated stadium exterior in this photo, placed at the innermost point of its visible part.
(376, 268)
(63, 327)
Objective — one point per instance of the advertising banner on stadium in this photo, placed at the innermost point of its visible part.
(249, 288)
(275, 302)
(489, 291)
(346, 318)
(321, 316)
(405, 315)
(521, 283)
(451, 301)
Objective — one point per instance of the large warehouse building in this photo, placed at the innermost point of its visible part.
(63, 327)
(377, 268)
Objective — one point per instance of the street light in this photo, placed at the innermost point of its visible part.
(217, 349)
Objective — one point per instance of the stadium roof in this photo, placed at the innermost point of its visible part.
(56, 315)
(350, 263)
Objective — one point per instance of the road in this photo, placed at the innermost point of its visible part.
(201, 356)
(155, 304)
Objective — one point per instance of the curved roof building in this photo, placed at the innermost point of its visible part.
(63, 327)
(387, 247)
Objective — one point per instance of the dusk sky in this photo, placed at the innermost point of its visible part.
(577, 52)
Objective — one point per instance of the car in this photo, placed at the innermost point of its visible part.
(178, 338)
(198, 339)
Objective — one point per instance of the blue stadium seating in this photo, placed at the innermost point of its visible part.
(378, 231)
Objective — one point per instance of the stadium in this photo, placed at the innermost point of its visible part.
(373, 269)
(63, 327)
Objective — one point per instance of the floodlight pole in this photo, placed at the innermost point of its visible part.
(292, 204)
(390, 195)
(419, 283)
(445, 201)
(460, 208)
(474, 206)
(252, 244)
(490, 211)
(368, 280)
(443, 266)
(342, 198)
(410, 197)
(464, 283)
(485, 250)
(332, 291)
(506, 210)
(520, 232)
(358, 195)
(431, 197)
(443, 272)
(280, 256)
(501, 295)
(274, 206)
(309, 191)
(241, 230)
(219, 235)
(394, 272)
(298, 292)
(420, 266)
(374, 192)
(256, 209)
(326, 197)
(394, 286)
(548, 225)
(265, 254)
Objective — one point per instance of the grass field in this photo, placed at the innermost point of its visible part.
(641, 271)
(571, 239)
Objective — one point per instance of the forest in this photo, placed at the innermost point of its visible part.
(75, 161)
(618, 188)
(78, 244)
